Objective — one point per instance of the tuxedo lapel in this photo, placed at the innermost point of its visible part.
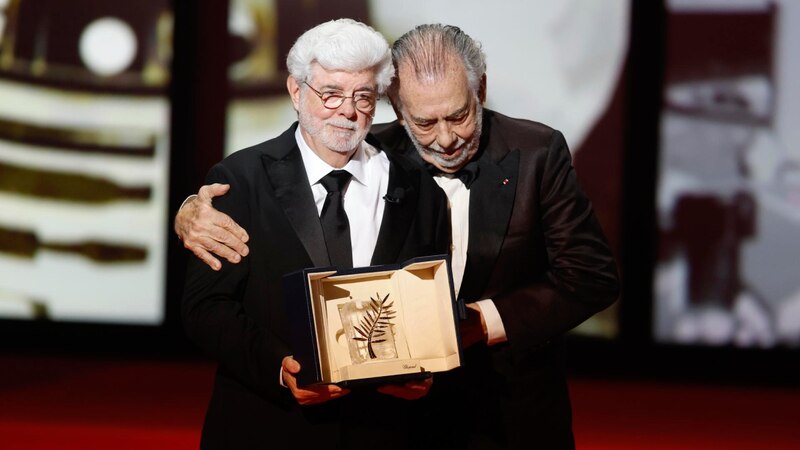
(401, 199)
(289, 181)
(490, 205)
(491, 199)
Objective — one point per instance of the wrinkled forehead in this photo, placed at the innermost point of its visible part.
(433, 95)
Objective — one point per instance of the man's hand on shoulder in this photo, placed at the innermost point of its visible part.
(208, 232)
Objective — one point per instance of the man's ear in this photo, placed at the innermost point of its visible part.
(294, 91)
(482, 90)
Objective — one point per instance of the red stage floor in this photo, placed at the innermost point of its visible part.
(84, 403)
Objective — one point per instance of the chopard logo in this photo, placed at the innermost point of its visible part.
(409, 366)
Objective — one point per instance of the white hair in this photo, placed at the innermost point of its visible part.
(342, 44)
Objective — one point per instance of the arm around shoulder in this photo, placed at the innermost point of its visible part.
(206, 232)
(213, 310)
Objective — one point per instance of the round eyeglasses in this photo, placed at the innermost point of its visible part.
(364, 101)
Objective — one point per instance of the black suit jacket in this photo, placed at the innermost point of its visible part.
(536, 249)
(237, 315)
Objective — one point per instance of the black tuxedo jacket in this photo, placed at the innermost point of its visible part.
(536, 249)
(237, 315)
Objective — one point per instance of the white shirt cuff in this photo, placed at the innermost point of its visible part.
(191, 197)
(280, 378)
(494, 324)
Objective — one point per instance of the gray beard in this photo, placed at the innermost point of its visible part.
(328, 138)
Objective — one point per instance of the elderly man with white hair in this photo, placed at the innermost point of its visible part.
(304, 197)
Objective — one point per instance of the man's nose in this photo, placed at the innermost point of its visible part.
(348, 108)
(445, 136)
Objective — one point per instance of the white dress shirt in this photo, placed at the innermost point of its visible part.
(458, 199)
(363, 196)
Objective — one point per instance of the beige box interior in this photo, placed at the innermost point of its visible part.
(424, 325)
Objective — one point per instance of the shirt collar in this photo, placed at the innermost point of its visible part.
(316, 168)
(466, 174)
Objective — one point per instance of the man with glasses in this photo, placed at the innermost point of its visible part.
(528, 254)
(313, 196)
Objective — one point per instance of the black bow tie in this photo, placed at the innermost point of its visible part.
(466, 174)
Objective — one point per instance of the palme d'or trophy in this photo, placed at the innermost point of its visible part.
(369, 329)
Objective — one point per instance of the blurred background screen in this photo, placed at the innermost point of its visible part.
(85, 126)
(84, 152)
(728, 193)
(111, 113)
